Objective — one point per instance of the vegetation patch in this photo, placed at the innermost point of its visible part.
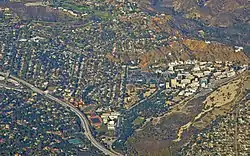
(138, 121)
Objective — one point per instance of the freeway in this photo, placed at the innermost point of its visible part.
(84, 121)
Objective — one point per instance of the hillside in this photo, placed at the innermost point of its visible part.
(224, 21)
(188, 49)
(222, 13)
(159, 137)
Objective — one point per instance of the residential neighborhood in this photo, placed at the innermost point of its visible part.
(117, 77)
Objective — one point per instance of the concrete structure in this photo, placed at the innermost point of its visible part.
(196, 68)
(111, 125)
(238, 49)
(231, 73)
(207, 72)
(167, 85)
(171, 68)
(181, 93)
(198, 74)
(203, 82)
(114, 115)
(173, 83)
(185, 81)
(216, 74)
(2, 78)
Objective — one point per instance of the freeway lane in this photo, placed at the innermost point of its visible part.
(84, 121)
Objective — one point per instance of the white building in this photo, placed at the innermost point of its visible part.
(196, 68)
(188, 94)
(181, 93)
(203, 67)
(231, 74)
(171, 68)
(167, 85)
(218, 62)
(188, 62)
(2, 78)
(216, 74)
(207, 72)
(111, 125)
(211, 68)
(105, 120)
(185, 81)
(182, 85)
(222, 76)
(173, 83)
(114, 115)
(238, 49)
(203, 85)
(198, 74)
(189, 76)
(203, 63)
(193, 90)
(105, 117)
(181, 62)
(195, 84)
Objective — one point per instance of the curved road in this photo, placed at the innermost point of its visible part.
(84, 120)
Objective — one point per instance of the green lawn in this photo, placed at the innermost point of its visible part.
(103, 128)
(138, 121)
(80, 8)
(89, 108)
(75, 7)
(103, 14)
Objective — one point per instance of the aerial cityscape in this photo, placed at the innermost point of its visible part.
(124, 77)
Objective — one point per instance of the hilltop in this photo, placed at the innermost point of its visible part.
(221, 13)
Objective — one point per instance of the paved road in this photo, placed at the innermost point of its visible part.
(84, 122)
